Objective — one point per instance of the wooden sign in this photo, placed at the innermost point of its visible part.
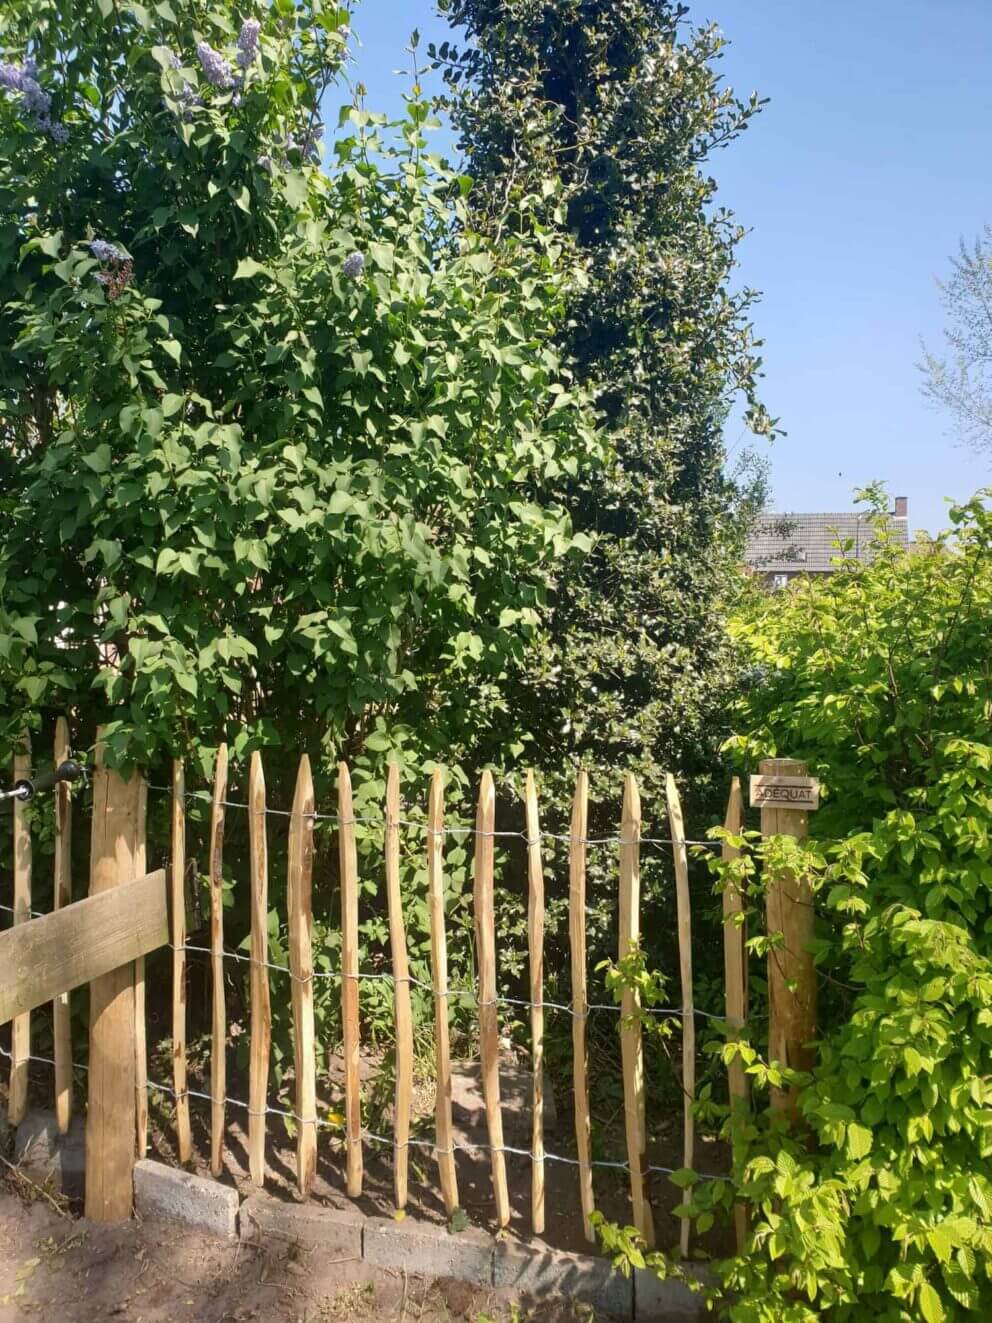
(788, 792)
(60, 951)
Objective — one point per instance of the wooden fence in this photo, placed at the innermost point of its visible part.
(117, 1113)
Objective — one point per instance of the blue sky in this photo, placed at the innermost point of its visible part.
(858, 179)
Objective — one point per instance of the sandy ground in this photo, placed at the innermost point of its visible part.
(60, 1267)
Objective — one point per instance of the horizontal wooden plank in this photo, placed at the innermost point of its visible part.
(795, 792)
(60, 951)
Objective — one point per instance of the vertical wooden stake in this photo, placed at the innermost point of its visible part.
(349, 982)
(630, 1032)
(580, 1001)
(62, 895)
(791, 974)
(485, 941)
(735, 978)
(444, 1137)
(118, 827)
(20, 1042)
(535, 944)
(218, 1054)
(261, 1009)
(683, 910)
(300, 902)
(140, 1021)
(177, 873)
(401, 992)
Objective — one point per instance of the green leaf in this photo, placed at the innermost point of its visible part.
(99, 459)
(173, 348)
(930, 1304)
(247, 268)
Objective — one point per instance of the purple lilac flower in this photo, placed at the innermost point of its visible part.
(218, 71)
(11, 77)
(353, 265)
(58, 133)
(107, 252)
(248, 42)
(37, 102)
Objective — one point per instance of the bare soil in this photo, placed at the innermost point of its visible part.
(59, 1267)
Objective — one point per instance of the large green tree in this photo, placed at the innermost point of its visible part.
(602, 115)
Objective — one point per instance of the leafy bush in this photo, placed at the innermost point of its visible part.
(879, 677)
(278, 446)
(878, 1203)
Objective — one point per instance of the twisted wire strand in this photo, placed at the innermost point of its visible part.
(204, 796)
(371, 1137)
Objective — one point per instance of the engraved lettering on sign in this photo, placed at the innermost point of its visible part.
(796, 792)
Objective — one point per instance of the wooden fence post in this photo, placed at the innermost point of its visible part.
(535, 946)
(20, 1039)
(62, 896)
(791, 975)
(261, 1005)
(299, 900)
(177, 875)
(735, 978)
(631, 1046)
(577, 843)
(117, 842)
(444, 1138)
(684, 913)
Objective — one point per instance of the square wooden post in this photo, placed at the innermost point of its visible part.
(791, 974)
(116, 856)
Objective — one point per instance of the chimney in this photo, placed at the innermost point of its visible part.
(902, 508)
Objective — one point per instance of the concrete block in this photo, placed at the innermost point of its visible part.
(50, 1159)
(334, 1231)
(543, 1272)
(430, 1250)
(669, 1301)
(161, 1191)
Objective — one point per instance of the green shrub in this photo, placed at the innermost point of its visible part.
(879, 1204)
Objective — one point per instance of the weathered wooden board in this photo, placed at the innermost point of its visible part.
(69, 947)
(787, 792)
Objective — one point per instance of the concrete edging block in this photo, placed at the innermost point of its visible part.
(547, 1272)
(161, 1191)
(337, 1231)
(430, 1250)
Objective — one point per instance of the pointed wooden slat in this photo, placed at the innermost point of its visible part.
(684, 913)
(580, 1001)
(485, 940)
(401, 992)
(261, 1008)
(177, 873)
(20, 1042)
(62, 896)
(218, 1053)
(140, 1021)
(631, 1047)
(349, 982)
(300, 903)
(444, 1136)
(117, 828)
(735, 977)
(535, 946)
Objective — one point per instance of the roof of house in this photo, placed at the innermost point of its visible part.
(798, 543)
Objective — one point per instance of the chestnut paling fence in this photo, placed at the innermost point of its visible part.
(117, 1123)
